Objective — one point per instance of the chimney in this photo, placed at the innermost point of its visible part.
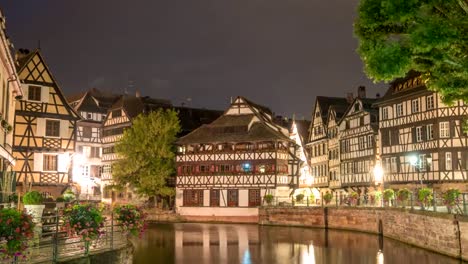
(21, 53)
(361, 92)
(137, 93)
(349, 98)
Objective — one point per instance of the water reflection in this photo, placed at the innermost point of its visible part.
(248, 244)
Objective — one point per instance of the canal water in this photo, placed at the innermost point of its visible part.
(193, 243)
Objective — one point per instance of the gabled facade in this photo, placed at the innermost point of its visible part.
(225, 168)
(358, 144)
(10, 89)
(335, 113)
(44, 129)
(92, 107)
(423, 140)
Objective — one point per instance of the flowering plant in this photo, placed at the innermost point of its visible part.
(130, 218)
(353, 197)
(327, 197)
(86, 221)
(15, 227)
(425, 197)
(451, 198)
(388, 194)
(403, 195)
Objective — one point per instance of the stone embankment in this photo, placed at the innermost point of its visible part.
(442, 233)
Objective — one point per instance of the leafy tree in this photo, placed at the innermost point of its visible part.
(147, 155)
(428, 36)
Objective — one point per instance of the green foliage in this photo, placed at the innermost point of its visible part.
(69, 196)
(60, 199)
(353, 197)
(33, 198)
(147, 153)
(130, 218)
(388, 194)
(16, 228)
(426, 36)
(425, 196)
(451, 197)
(403, 195)
(86, 221)
(268, 198)
(299, 197)
(312, 198)
(327, 197)
(13, 198)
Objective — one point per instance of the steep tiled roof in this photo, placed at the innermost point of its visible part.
(325, 103)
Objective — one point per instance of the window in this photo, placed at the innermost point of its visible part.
(393, 164)
(387, 164)
(254, 197)
(95, 171)
(214, 198)
(448, 160)
(116, 113)
(233, 198)
(430, 102)
(384, 113)
(50, 163)
(362, 143)
(356, 107)
(89, 116)
(361, 121)
(422, 162)
(414, 106)
(430, 132)
(85, 171)
(95, 152)
(444, 129)
(399, 110)
(87, 132)
(193, 198)
(317, 114)
(34, 93)
(52, 128)
(370, 139)
(418, 134)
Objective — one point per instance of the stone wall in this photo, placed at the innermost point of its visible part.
(122, 255)
(443, 233)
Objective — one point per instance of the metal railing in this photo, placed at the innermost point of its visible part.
(55, 243)
(437, 204)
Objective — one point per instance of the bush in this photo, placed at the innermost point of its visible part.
(327, 197)
(388, 194)
(403, 195)
(86, 221)
(451, 197)
(425, 196)
(299, 197)
(60, 199)
(33, 198)
(69, 196)
(130, 218)
(16, 228)
(13, 198)
(268, 198)
(312, 198)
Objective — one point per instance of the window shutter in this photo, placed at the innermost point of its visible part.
(424, 133)
(452, 128)
(413, 134)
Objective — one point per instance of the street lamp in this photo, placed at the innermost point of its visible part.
(379, 176)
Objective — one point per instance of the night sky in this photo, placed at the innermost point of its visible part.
(280, 53)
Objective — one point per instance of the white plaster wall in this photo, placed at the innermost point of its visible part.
(206, 197)
(64, 130)
(217, 211)
(40, 128)
(179, 197)
(45, 94)
(244, 197)
(38, 162)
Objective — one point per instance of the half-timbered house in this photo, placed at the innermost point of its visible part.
(10, 90)
(358, 129)
(225, 168)
(335, 113)
(92, 107)
(423, 140)
(318, 139)
(44, 129)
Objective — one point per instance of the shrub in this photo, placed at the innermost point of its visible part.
(425, 196)
(403, 195)
(13, 198)
(268, 198)
(327, 197)
(130, 218)
(60, 199)
(300, 197)
(388, 194)
(451, 197)
(86, 221)
(312, 198)
(33, 198)
(15, 228)
(69, 196)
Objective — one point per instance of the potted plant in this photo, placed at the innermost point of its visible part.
(425, 197)
(299, 198)
(60, 202)
(403, 196)
(69, 196)
(85, 221)
(16, 228)
(13, 198)
(33, 204)
(312, 198)
(131, 219)
(353, 197)
(388, 195)
(327, 197)
(451, 198)
(268, 198)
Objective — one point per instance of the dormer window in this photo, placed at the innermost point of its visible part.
(89, 116)
(317, 114)
(356, 107)
(116, 113)
(34, 93)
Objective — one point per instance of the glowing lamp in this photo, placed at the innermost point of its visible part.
(413, 160)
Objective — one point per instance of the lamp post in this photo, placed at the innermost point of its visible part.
(379, 176)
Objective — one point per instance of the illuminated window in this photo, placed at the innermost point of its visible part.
(419, 134)
(246, 167)
(448, 160)
(262, 168)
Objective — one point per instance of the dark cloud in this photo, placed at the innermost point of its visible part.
(281, 53)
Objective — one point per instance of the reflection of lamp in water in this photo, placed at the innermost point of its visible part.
(380, 257)
(247, 259)
(308, 256)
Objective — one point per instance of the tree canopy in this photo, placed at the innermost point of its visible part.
(147, 153)
(427, 36)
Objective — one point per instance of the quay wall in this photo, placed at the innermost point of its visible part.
(119, 255)
(443, 233)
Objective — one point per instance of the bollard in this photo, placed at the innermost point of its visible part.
(411, 200)
(307, 201)
(434, 201)
(465, 211)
